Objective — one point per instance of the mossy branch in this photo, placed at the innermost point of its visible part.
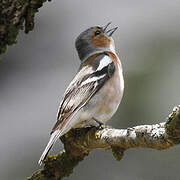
(79, 142)
(16, 15)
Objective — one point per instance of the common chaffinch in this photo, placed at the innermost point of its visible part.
(95, 93)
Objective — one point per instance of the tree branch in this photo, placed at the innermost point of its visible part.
(79, 142)
(16, 15)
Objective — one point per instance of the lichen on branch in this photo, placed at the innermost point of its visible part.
(78, 143)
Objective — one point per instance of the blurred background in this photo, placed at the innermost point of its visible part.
(35, 72)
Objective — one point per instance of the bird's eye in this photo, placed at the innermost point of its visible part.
(97, 32)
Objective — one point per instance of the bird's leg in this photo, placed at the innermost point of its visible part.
(99, 122)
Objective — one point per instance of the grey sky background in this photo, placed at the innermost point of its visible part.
(35, 72)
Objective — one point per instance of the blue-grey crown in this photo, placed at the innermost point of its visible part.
(83, 43)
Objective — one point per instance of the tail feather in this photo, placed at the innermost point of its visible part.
(54, 136)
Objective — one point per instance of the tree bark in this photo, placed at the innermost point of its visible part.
(78, 143)
(16, 15)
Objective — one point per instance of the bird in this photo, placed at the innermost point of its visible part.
(93, 96)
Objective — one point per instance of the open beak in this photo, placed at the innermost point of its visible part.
(109, 32)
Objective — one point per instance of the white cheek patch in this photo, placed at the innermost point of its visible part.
(105, 61)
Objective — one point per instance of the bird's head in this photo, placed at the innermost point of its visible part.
(94, 40)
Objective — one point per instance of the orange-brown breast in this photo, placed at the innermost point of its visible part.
(101, 41)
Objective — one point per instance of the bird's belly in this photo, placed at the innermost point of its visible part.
(104, 103)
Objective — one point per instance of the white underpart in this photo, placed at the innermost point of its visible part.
(89, 80)
(106, 60)
(121, 78)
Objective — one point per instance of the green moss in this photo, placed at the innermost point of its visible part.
(12, 34)
(173, 126)
(3, 49)
(117, 152)
(171, 117)
(60, 165)
(22, 2)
